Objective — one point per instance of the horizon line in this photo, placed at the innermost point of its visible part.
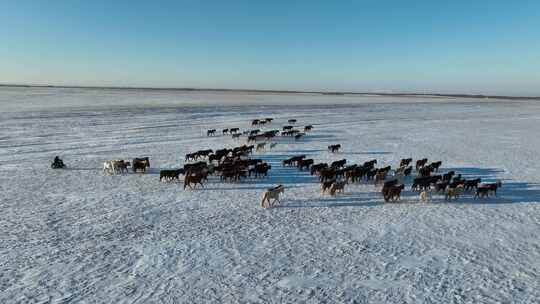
(277, 91)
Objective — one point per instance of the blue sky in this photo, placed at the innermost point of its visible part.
(444, 46)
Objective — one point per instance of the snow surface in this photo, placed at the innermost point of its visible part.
(77, 235)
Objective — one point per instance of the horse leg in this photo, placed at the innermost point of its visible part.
(265, 196)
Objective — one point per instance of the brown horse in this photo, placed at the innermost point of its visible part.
(315, 169)
(304, 163)
(140, 164)
(327, 174)
(420, 163)
(393, 193)
(435, 165)
(193, 179)
(405, 162)
(334, 148)
(337, 187)
(425, 171)
(483, 190)
(472, 183)
(338, 163)
(380, 177)
(327, 184)
(387, 185)
(170, 175)
(293, 160)
(370, 164)
(453, 192)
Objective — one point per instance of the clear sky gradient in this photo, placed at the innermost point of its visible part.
(490, 47)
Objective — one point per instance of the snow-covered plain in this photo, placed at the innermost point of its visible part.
(77, 235)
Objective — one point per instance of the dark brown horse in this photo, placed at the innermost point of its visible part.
(304, 163)
(485, 189)
(293, 160)
(170, 175)
(327, 184)
(334, 148)
(386, 187)
(315, 169)
(405, 162)
(425, 171)
(338, 163)
(140, 164)
(327, 174)
(370, 163)
(193, 179)
(393, 193)
(420, 163)
(262, 169)
(435, 165)
(472, 184)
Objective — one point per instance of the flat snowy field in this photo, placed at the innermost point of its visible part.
(77, 235)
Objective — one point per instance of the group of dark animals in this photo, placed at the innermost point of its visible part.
(335, 176)
(230, 164)
(449, 183)
(257, 134)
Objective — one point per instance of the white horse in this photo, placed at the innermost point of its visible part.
(272, 194)
(425, 196)
(114, 166)
(108, 167)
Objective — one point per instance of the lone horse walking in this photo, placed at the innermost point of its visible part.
(272, 194)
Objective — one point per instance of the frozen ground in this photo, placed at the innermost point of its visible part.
(76, 235)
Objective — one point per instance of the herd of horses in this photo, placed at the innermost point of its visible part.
(236, 164)
(335, 176)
